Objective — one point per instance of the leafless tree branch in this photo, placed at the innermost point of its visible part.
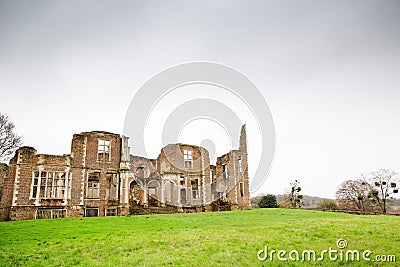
(9, 140)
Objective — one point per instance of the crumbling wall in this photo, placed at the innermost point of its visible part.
(244, 202)
(21, 198)
(142, 167)
(191, 181)
(3, 171)
(85, 162)
(231, 175)
(7, 191)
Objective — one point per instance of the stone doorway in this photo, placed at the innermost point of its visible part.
(135, 194)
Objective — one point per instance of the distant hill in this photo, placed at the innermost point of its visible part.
(308, 201)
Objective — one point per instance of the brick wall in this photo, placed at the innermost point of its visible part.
(3, 171)
(233, 177)
(171, 165)
(7, 191)
(85, 160)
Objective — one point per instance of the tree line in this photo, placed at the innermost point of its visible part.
(370, 193)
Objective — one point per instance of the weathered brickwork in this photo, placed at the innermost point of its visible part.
(3, 171)
(100, 178)
(232, 172)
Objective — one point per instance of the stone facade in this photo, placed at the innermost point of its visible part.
(3, 171)
(101, 178)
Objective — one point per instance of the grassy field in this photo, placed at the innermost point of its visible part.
(200, 239)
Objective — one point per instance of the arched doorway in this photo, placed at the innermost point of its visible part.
(135, 194)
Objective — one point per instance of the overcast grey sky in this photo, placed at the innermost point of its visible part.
(330, 71)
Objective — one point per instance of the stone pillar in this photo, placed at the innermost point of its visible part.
(162, 193)
(145, 194)
(178, 201)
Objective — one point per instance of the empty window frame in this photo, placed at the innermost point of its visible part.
(213, 190)
(195, 188)
(195, 193)
(183, 196)
(224, 171)
(182, 180)
(91, 212)
(50, 213)
(241, 189)
(93, 185)
(188, 158)
(49, 185)
(104, 150)
(195, 182)
(240, 164)
(111, 212)
(112, 190)
(35, 184)
(152, 188)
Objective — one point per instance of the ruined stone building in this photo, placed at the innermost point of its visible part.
(100, 178)
(3, 171)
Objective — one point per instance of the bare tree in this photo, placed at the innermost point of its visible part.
(354, 195)
(383, 184)
(293, 196)
(9, 140)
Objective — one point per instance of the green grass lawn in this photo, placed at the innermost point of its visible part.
(198, 239)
